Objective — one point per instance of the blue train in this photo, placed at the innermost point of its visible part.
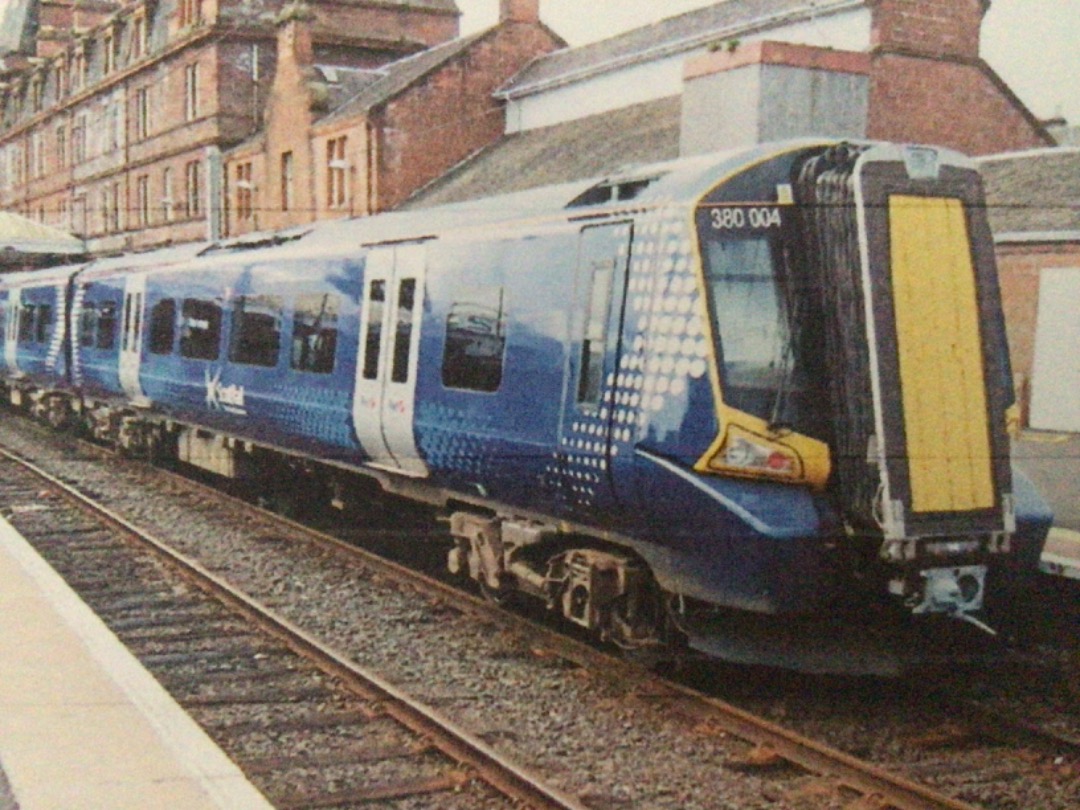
(756, 401)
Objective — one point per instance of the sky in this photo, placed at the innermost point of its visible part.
(1034, 45)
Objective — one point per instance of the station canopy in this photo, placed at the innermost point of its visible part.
(26, 243)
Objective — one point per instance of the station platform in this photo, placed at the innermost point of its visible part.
(1052, 462)
(1061, 556)
(83, 726)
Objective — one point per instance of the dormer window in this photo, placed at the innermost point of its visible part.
(108, 47)
(191, 12)
(61, 77)
(37, 92)
(138, 34)
(78, 67)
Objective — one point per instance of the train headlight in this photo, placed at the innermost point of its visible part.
(743, 452)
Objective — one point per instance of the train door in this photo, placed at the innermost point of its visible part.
(131, 337)
(597, 415)
(385, 390)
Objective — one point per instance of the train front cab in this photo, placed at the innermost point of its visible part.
(861, 361)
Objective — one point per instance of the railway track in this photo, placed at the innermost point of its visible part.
(764, 746)
(223, 655)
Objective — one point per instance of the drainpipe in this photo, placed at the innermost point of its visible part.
(214, 189)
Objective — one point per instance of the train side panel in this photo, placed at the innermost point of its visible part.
(262, 352)
(95, 324)
(492, 363)
(36, 350)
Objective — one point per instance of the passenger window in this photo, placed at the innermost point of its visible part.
(399, 371)
(200, 329)
(475, 341)
(256, 330)
(594, 343)
(87, 322)
(127, 321)
(373, 338)
(26, 323)
(44, 323)
(162, 326)
(315, 333)
(136, 328)
(106, 326)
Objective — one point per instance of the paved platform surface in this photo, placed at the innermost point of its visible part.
(1052, 462)
(83, 726)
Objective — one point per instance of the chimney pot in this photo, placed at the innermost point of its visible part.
(519, 11)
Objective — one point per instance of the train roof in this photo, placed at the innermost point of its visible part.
(671, 182)
(682, 181)
(40, 278)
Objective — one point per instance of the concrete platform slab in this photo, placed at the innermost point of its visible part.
(1061, 556)
(83, 725)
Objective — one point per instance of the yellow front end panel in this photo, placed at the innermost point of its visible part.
(940, 354)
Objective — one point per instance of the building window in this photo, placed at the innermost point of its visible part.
(78, 138)
(112, 124)
(108, 56)
(78, 69)
(61, 77)
(142, 199)
(166, 195)
(191, 12)
(191, 92)
(114, 213)
(16, 157)
(286, 181)
(245, 193)
(37, 93)
(193, 188)
(336, 173)
(138, 36)
(61, 145)
(36, 157)
(79, 214)
(142, 113)
(105, 205)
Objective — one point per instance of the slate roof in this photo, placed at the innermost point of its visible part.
(584, 148)
(673, 35)
(1035, 192)
(434, 5)
(402, 74)
(342, 83)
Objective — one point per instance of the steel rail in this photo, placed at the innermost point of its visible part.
(888, 789)
(505, 776)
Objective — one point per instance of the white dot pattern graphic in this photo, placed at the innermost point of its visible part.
(664, 348)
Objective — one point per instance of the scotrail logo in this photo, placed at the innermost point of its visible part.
(220, 397)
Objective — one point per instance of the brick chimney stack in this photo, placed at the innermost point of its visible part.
(294, 35)
(527, 11)
(948, 28)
